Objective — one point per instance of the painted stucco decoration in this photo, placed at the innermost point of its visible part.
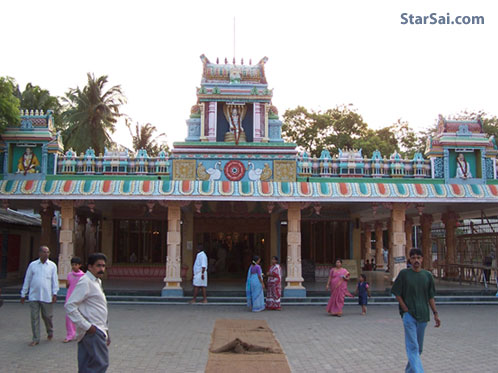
(234, 170)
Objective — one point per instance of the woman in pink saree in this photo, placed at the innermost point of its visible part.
(274, 287)
(338, 285)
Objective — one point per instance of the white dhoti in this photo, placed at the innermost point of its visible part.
(198, 281)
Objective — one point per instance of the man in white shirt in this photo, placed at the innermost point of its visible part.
(43, 284)
(87, 309)
(200, 274)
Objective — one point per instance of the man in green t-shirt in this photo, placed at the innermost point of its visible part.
(414, 290)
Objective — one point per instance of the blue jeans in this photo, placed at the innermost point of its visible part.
(414, 342)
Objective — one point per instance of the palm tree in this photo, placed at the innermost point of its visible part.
(92, 114)
(144, 138)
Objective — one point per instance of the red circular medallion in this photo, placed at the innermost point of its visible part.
(234, 170)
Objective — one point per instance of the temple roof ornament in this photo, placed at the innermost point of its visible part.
(233, 73)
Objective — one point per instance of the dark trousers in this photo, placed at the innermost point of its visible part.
(93, 356)
(46, 312)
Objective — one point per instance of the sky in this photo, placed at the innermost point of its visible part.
(321, 54)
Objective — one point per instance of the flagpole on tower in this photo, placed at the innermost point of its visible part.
(234, 39)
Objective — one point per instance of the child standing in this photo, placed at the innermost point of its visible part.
(363, 290)
(72, 279)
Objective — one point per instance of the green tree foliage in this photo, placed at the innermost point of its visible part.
(333, 129)
(144, 137)
(9, 104)
(92, 113)
(35, 98)
(341, 128)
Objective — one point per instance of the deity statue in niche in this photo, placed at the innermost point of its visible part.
(28, 163)
(462, 168)
(235, 113)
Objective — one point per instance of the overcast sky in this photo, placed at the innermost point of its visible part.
(321, 54)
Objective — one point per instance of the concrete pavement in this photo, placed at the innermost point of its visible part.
(168, 338)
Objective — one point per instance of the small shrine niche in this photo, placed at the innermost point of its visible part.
(461, 153)
(30, 151)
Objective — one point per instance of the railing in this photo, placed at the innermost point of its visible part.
(82, 165)
(471, 273)
(363, 167)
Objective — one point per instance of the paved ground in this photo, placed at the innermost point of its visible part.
(154, 338)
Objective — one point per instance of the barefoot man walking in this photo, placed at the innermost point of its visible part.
(200, 274)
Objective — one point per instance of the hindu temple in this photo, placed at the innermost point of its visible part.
(238, 189)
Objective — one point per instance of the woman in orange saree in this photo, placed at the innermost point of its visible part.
(338, 285)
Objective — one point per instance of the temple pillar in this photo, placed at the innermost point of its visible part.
(203, 136)
(409, 235)
(66, 240)
(188, 249)
(367, 229)
(398, 238)
(79, 238)
(266, 135)
(363, 238)
(173, 280)
(356, 237)
(212, 114)
(450, 220)
(47, 216)
(426, 225)
(294, 277)
(379, 245)
(390, 256)
(107, 238)
(91, 235)
(257, 122)
(274, 234)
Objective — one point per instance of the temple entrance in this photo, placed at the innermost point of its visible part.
(230, 244)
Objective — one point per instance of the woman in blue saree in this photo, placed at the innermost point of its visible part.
(255, 287)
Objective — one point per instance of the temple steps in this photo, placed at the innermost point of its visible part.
(310, 300)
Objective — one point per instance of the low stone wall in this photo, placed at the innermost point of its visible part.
(137, 271)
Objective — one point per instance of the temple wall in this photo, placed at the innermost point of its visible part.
(26, 252)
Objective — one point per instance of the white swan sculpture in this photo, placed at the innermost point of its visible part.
(214, 173)
(254, 174)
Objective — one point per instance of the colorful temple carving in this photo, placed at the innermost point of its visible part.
(237, 188)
